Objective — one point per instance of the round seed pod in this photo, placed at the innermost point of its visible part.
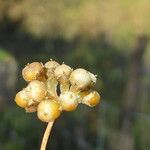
(33, 71)
(21, 99)
(36, 90)
(69, 101)
(48, 110)
(92, 99)
(50, 67)
(82, 79)
(62, 73)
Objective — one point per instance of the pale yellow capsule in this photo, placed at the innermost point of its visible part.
(62, 73)
(48, 110)
(92, 99)
(21, 99)
(36, 90)
(69, 101)
(33, 71)
(81, 79)
(50, 67)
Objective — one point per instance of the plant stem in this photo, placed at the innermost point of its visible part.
(46, 135)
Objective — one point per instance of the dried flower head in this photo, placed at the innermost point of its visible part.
(41, 94)
(75, 87)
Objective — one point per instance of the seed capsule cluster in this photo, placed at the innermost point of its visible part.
(53, 88)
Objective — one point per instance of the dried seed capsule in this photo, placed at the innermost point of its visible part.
(92, 99)
(48, 110)
(33, 71)
(36, 90)
(51, 66)
(82, 79)
(21, 99)
(69, 101)
(62, 73)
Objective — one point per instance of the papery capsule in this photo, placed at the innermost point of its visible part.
(92, 99)
(81, 79)
(50, 67)
(62, 73)
(48, 110)
(21, 99)
(69, 101)
(33, 71)
(36, 90)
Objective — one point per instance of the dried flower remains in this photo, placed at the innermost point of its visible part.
(41, 95)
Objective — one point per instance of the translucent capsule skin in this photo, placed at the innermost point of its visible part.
(69, 101)
(21, 99)
(37, 90)
(48, 110)
(33, 71)
(92, 99)
(81, 79)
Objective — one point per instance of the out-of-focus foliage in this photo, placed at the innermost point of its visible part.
(121, 20)
(4, 55)
(18, 125)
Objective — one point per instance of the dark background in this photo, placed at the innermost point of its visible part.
(109, 38)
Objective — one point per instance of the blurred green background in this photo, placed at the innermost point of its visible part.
(109, 38)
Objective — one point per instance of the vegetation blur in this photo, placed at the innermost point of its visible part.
(109, 38)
